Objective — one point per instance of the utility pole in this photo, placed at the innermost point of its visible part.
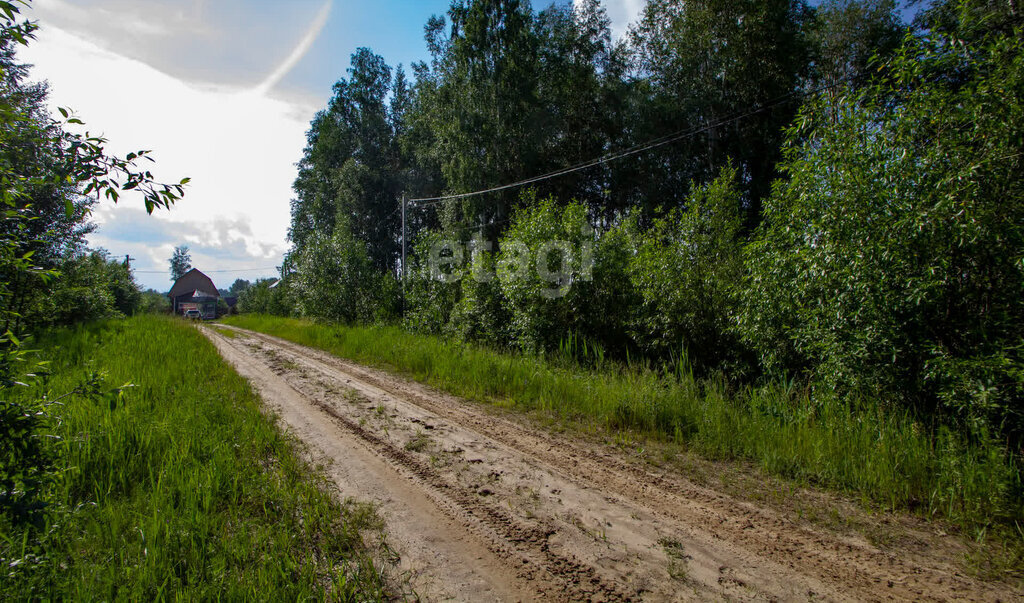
(403, 256)
(128, 261)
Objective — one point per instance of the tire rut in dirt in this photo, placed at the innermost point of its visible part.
(526, 546)
(845, 565)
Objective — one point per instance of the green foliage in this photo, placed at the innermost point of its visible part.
(90, 286)
(483, 109)
(430, 298)
(543, 272)
(336, 280)
(46, 172)
(890, 264)
(481, 313)
(176, 486)
(562, 281)
(347, 176)
(268, 296)
(973, 21)
(708, 60)
(847, 36)
(886, 275)
(662, 291)
(154, 302)
(239, 286)
(26, 467)
(181, 262)
(688, 272)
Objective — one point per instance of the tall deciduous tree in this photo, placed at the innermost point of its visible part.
(181, 262)
(846, 35)
(709, 61)
(348, 170)
(889, 263)
(483, 107)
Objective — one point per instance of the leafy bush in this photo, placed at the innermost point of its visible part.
(335, 280)
(481, 314)
(891, 260)
(90, 286)
(687, 270)
(154, 302)
(430, 300)
(546, 269)
(268, 296)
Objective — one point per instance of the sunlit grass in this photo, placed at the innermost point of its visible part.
(180, 488)
(884, 457)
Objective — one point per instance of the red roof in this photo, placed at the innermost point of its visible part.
(192, 282)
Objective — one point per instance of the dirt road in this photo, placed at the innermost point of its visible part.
(482, 507)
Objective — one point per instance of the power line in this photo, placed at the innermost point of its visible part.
(215, 271)
(640, 148)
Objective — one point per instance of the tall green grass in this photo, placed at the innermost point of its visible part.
(883, 456)
(177, 488)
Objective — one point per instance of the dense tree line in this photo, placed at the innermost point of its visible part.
(837, 202)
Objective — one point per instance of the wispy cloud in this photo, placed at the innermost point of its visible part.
(236, 42)
(223, 247)
(135, 19)
(298, 52)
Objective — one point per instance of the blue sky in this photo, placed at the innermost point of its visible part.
(223, 92)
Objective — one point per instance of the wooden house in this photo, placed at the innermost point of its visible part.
(194, 291)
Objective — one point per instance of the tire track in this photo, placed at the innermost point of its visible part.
(768, 549)
(555, 576)
(527, 544)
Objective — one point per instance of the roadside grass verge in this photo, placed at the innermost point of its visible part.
(177, 487)
(884, 457)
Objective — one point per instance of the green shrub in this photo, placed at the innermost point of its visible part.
(335, 280)
(89, 286)
(687, 270)
(268, 296)
(891, 261)
(481, 314)
(544, 309)
(430, 300)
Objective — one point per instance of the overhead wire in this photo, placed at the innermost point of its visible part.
(639, 148)
(226, 270)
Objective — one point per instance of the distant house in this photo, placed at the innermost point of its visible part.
(194, 291)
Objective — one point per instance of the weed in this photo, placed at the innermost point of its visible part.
(230, 334)
(418, 443)
(677, 559)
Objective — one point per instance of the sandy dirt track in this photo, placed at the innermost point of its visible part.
(482, 507)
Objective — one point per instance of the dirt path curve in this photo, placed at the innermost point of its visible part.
(480, 507)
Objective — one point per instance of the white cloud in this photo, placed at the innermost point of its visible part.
(117, 20)
(227, 42)
(238, 146)
(222, 247)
